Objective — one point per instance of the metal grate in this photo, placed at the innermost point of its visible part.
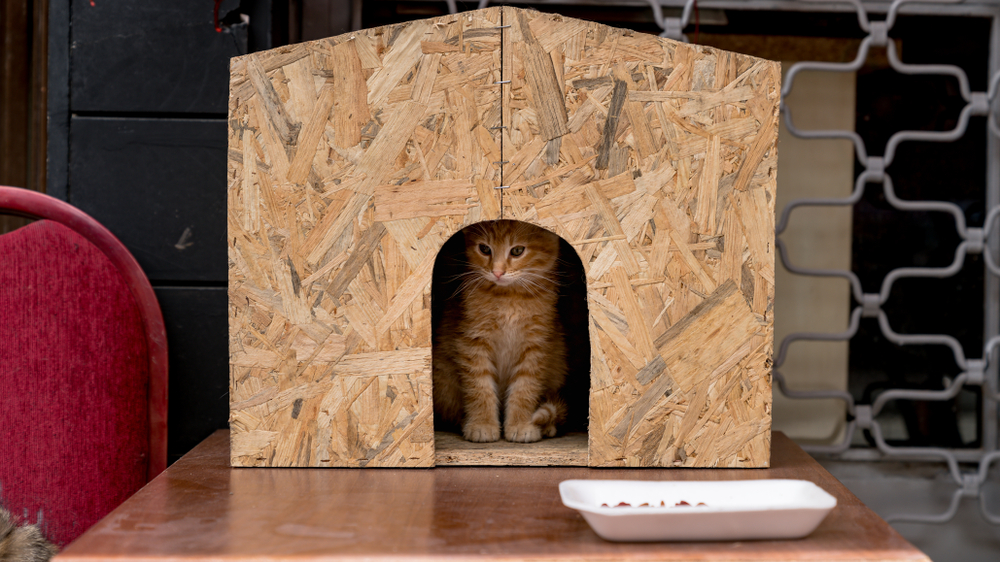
(968, 467)
(975, 371)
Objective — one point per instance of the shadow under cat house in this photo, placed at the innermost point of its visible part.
(511, 348)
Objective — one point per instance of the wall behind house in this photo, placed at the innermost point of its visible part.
(137, 107)
(137, 139)
(23, 26)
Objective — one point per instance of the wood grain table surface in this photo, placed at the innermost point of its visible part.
(201, 509)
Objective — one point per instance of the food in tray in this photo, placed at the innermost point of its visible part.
(681, 503)
(698, 511)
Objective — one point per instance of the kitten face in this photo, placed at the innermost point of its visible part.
(511, 254)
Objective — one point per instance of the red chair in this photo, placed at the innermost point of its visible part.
(83, 369)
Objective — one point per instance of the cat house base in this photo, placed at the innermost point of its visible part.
(450, 449)
(353, 159)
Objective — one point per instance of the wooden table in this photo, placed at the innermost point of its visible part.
(201, 509)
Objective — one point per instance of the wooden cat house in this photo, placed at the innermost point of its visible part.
(353, 159)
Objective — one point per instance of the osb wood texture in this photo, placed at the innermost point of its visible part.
(353, 159)
(656, 160)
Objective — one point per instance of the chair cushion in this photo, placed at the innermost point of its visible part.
(73, 382)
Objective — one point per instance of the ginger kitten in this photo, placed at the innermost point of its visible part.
(500, 350)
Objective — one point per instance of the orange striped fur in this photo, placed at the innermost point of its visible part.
(500, 351)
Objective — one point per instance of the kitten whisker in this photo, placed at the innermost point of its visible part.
(453, 278)
(474, 282)
(531, 283)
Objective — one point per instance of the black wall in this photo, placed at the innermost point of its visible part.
(138, 93)
(137, 101)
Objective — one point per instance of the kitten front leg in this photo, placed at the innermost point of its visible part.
(482, 403)
(482, 410)
(522, 401)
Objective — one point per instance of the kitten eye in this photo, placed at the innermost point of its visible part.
(485, 249)
(517, 250)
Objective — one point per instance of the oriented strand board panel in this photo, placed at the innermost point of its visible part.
(657, 161)
(353, 159)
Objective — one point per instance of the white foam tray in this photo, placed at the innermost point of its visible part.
(734, 510)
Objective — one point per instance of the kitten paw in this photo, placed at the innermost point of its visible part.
(525, 433)
(481, 433)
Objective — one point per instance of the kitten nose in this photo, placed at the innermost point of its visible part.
(498, 273)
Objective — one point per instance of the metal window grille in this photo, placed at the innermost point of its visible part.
(876, 19)
(976, 371)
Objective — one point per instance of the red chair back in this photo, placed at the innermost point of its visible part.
(82, 370)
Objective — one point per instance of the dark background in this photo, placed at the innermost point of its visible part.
(136, 137)
(119, 107)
